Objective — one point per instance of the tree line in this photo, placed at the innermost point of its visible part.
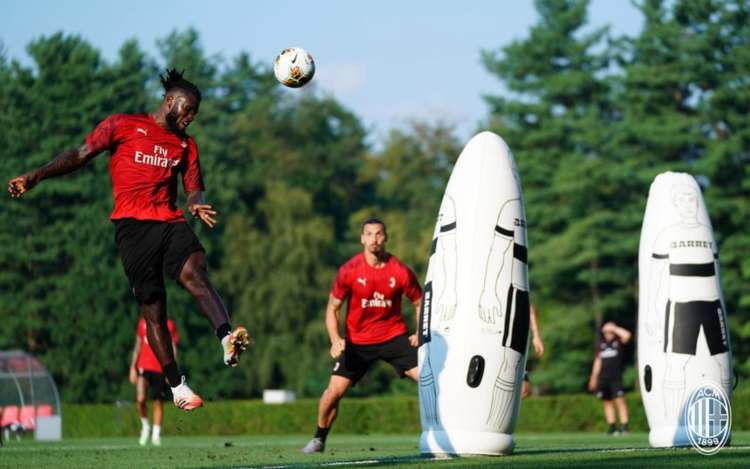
(591, 118)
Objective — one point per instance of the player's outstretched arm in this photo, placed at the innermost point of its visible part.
(64, 163)
(198, 207)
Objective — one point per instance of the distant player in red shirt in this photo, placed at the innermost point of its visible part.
(149, 152)
(374, 282)
(146, 374)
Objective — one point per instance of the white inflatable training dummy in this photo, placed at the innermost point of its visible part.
(683, 339)
(474, 321)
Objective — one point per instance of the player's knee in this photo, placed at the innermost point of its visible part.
(195, 280)
(154, 313)
(334, 393)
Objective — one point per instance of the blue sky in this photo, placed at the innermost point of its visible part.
(388, 61)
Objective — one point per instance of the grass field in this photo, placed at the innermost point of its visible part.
(532, 451)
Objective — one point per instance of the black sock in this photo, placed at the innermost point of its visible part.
(172, 373)
(611, 428)
(223, 330)
(322, 433)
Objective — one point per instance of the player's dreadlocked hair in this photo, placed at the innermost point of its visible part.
(175, 80)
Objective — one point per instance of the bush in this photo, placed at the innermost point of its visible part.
(377, 415)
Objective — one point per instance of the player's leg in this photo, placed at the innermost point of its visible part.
(158, 391)
(185, 261)
(622, 412)
(155, 314)
(349, 368)
(158, 417)
(328, 408)
(141, 407)
(160, 341)
(141, 248)
(609, 416)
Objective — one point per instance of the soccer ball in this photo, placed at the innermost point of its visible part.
(294, 67)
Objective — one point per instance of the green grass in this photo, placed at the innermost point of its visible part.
(532, 451)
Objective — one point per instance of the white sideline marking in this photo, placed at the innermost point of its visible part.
(366, 462)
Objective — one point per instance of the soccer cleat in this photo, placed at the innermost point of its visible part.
(234, 344)
(156, 440)
(144, 436)
(185, 398)
(316, 445)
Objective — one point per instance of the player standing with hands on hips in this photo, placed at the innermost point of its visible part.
(149, 151)
(373, 281)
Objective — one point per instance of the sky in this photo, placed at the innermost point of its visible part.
(388, 61)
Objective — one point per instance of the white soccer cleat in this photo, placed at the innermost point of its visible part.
(234, 344)
(316, 445)
(156, 440)
(185, 398)
(144, 436)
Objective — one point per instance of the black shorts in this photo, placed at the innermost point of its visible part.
(149, 249)
(356, 359)
(609, 387)
(518, 304)
(688, 319)
(158, 389)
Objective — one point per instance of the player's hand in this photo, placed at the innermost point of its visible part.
(592, 384)
(337, 347)
(133, 375)
(414, 340)
(538, 346)
(205, 212)
(22, 184)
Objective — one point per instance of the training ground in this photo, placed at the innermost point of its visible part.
(566, 450)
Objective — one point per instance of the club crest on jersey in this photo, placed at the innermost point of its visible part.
(392, 282)
(184, 144)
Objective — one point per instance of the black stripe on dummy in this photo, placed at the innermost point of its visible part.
(693, 270)
(521, 253)
(666, 325)
(502, 231)
(425, 314)
(433, 247)
(508, 305)
(660, 256)
(448, 227)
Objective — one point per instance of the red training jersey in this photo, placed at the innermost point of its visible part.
(146, 159)
(146, 359)
(374, 312)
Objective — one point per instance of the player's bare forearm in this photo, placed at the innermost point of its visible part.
(136, 350)
(333, 310)
(64, 163)
(198, 207)
(623, 334)
(417, 308)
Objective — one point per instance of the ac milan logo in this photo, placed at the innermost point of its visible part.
(708, 417)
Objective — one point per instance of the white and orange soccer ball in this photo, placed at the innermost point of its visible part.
(294, 67)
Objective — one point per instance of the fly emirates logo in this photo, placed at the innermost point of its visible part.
(377, 301)
(159, 158)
